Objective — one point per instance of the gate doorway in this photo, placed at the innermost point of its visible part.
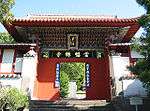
(96, 75)
(73, 80)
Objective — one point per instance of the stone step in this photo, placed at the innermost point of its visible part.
(51, 109)
(69, 105)
(70, 102)
(70, 109)
(52, 106)
(56, 109)
(66, 107)
(46, 103)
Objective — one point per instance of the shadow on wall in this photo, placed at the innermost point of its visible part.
(133, 87)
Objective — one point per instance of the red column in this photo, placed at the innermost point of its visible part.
(108, 78)
(1, 56)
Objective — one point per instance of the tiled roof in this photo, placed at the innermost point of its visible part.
(127, 77)
(10, 76)
(85, 18)
(72, 21)
(17, 45)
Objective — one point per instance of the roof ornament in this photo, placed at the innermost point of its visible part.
(30, 53)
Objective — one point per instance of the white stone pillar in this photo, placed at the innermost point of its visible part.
(29, 72)
(72, 90)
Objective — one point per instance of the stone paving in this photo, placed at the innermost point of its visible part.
(117, 104)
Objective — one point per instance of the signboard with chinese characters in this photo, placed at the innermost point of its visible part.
(72, 54)
(72, 41)
(57, 80)
(87, 72)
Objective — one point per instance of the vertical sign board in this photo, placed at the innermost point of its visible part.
(136, 101)
(72, 41)
(87, 72)
(57, 80)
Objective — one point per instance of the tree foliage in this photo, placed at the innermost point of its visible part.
(142, 67)
(75, 71)
(6, 38)
(5, 6)
(145, 4)
(12, 98)
(136, 44)
(64, 84)
(5, 15)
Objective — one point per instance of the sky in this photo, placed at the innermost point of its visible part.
(119, 8)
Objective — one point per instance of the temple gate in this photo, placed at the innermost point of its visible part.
(87, 39)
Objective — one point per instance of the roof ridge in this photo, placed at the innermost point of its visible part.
(61, 16)
(69, 15)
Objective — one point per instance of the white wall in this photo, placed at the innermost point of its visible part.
(25, 65)
(6, 67)
(7, 60)
(119, 65)
(29, 71)
(13, 82)
(130, 87)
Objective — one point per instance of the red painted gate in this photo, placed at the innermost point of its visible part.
(99, 78)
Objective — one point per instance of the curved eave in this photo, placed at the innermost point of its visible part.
(101, 22)
(131, 32)
(80, 22)
(12, 31)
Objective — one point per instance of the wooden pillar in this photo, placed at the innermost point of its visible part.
(1, 56)
(108, 78)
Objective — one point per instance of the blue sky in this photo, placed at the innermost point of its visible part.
(121, 8)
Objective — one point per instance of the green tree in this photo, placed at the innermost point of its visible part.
(142, 67)
(75, 71)
(64, 84)
(136, 44)
(6, 38)
(5, 15)
(5, 6)
(12, 98)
